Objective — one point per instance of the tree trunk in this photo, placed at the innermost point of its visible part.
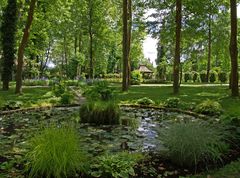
(125, 83)
(65, 54)
(176, 65)
(129, 39)
(22, 47)
(234, 49)
(209, 44)
(8, 41)
(91, 40)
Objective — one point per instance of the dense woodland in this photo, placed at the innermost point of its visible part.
(92, 39)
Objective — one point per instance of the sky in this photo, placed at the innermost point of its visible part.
(150, 44)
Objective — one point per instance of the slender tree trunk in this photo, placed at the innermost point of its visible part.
(125, 83)
(209, 44)
(75, 45)
(234, 49)
(65, 54)
(176, 65)
(22, 47)
(129, 39)
(91, 40)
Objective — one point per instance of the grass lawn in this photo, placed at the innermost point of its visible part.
(31, 96)
(189, 94)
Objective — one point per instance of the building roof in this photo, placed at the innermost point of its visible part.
(144, 69)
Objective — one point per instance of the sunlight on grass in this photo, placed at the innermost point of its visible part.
(208, 94)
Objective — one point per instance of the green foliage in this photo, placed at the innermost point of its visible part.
(145, 101)
(55, 152)
(100, 90)
(120, 165)
(203, 76)
(100, 113)
(136, 77)
(209, 107)
(66, 98)
(222, 76)
(36, 82)
(11, 105)
(110, 75)
(59, 88)
(172, 102)
(187, 76)
(193, 142)
(195, 76)
(213, 76)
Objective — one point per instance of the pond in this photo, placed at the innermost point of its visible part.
(139, 133)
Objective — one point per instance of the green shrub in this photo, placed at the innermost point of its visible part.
(59, 88)
(193, 142)
(222, 76)
(187, 76)
(100, 113)
(203, 76)
(213, 76)
(172, 102)
(100, 90)
(33, 82)
(11, 105)
(66, 98)
(117, 165)
(209, 107)
(145, 101)
(136, 77)
(195, 76)
(55, 152)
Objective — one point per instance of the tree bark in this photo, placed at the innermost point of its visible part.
(176, 65)
(234, 50)
(209, 44)
(129, 39)
(125, 83)
(22, 47)
(91, 40)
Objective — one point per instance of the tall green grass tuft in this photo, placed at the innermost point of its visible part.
(193, 142)
(100, 113)
(55, 152)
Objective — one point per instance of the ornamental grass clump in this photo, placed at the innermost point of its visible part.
(55, 152)
(100, 113)
(209, 107)
(145, 101)
(193, 142)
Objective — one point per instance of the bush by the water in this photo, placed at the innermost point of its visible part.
(55, 152)
(172, 102)
(66, 98)
(100, 113)
(59, 88)
(120, 165)
(100, 90)
(193, 142)
(145, 101)
(136, 77)
(209, 107)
